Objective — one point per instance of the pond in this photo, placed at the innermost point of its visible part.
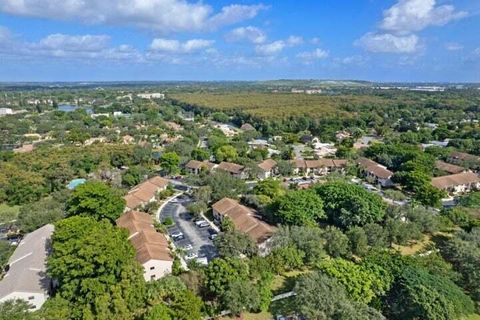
(70, 108)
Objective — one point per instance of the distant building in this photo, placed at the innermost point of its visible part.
(457, 183)
(461, 158)
(268, 168)
(152, 248)
(187, 116)
(26, 278)
(145, 192)
(195, 167)
(24, 148)
(317, 167)
(5, 111)
(247, 127)
(155, 95)
(380, 174)
(449, 168)
(244, 220)
(233, 169)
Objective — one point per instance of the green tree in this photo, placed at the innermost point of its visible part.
(37, 214)
(133, 176)
(15, 310)
(286, 259)
(336, 242)
(321, 297)
(96, 269)
(226, 153)
(232, 244)
(270, 188)
(300, 207)
(97, 200)
(158, 312)
(241, 296)
(350, 205)
(221, 273)
(358, 241)
(224, 185)
(170, 161)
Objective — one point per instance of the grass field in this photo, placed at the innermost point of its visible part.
(279, 105)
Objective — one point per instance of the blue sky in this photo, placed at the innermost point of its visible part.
(108, 40)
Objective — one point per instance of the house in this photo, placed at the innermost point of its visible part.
(152, 248)
(234, 169)
(462, 158)
(267, 169)
(187, 116)
(378, 173)
(5, 111)
(247, 127)
(195, 166)
(24, 148)
(244, 220)
(447, 167)
(26, 277)
(155, 95)
(145, 192)
(318, 167)
(457, 183)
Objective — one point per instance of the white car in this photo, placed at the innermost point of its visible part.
(202, 223)
(191, 255)
(187, 247)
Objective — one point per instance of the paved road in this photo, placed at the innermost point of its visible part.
(196, 237)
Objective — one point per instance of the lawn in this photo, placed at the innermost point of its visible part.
(8, 213)
(415, 247)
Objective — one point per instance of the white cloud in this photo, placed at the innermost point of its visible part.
(294, 41)
(275, 47)
(251, 34)
(453, 46)
(389, 43)
(73, 43)
(160, 15)
(415, 15)
(317, 54)
(270, 49)
(175, 46)
(315, 41)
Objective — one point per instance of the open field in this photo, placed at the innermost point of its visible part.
(279, 105)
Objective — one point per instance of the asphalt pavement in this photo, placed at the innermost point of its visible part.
(197, 238)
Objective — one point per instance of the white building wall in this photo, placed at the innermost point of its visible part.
(156, 269)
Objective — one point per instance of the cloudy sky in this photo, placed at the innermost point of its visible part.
(380, 40)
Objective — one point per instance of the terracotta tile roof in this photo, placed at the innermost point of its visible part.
(299, 163)
(148, 244)
(145, 191)
(231, 167)
(320, 163)
(247, 127)
(454, 180)
(195, 164)
(224, 205)
(374, 168)
(447, 167)
(244, 219)
(268, 165)
(464, 156)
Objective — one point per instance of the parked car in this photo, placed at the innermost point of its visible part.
(187, 247)
(177, 236)
(213, 236)
(202, 224)
(191, 255)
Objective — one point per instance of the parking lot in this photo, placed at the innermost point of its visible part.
(195, 240)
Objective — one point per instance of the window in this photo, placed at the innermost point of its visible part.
(152, 277)
(152, 268)
(31, 298)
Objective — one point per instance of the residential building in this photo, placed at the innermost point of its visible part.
(318, 167)
(234, 169)
(155, 95)
(26, 277)
(5, 111)
(268, 168)
(195, 166)
(24, 148)
(458, 183)
(247, 127)
(152, 248)
(449, 168)
(375, 171)
(462, 158)
(145, 192)
(244, 220)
